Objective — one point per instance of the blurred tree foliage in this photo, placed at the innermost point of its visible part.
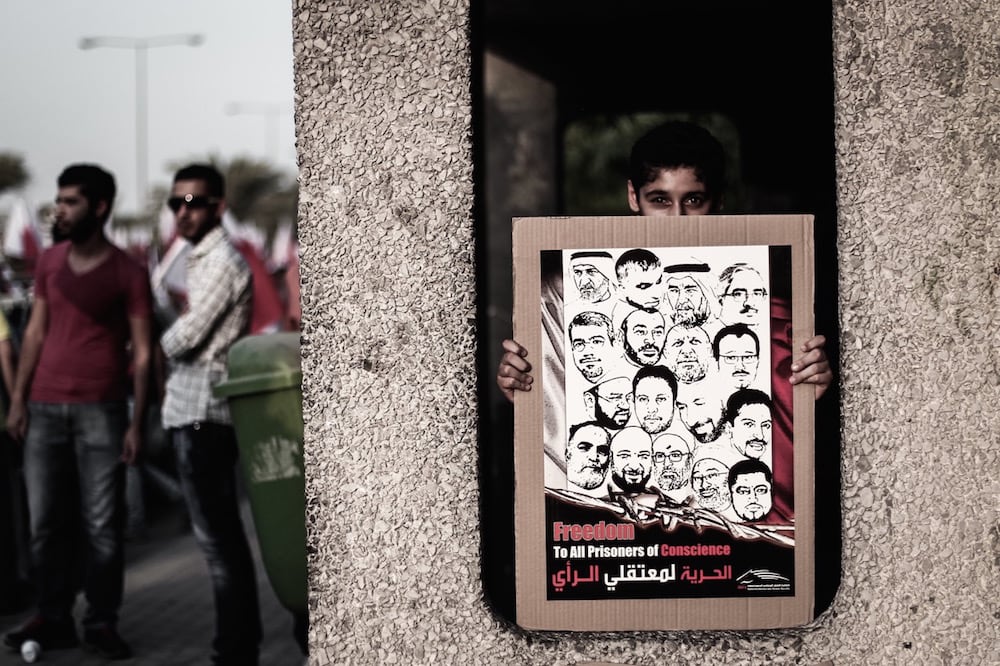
(597, 148)
(257, 192)
(13, 173)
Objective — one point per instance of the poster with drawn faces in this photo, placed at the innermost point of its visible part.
(668, 377)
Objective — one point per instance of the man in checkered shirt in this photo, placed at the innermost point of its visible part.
(217, 314)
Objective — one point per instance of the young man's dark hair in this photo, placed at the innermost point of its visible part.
(736, 330)
(207, 173)
(748, 466)
(95, 184)
(677, 144)
(741, 399)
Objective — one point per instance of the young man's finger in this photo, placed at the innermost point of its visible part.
(514, 361)
(514, 348)
(815, 342)
(814, 357)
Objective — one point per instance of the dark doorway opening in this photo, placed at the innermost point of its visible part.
(561, 91)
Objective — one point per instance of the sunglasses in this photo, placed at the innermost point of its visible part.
(192, 202)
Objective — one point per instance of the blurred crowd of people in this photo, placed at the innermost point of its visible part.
(109, 349)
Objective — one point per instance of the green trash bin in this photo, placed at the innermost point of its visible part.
(265, 400)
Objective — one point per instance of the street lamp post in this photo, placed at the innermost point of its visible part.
(271, 113)
(139, 46)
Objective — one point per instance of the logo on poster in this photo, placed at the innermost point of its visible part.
(763, 579)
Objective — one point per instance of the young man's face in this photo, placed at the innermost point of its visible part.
(708, 479)
(751, 430)
(592, 351)
(644, 333)
(738, 359)
(654, 404)
(673, 192)
(744, 298)
(75, 219)
(195, 211)
(643, 287)
(687, 352)
(593, 285)
(751, 496)
(587, 455)
(686, 300)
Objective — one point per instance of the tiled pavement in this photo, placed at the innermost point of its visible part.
(167, 616)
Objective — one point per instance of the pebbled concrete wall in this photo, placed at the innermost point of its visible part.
(382, 95)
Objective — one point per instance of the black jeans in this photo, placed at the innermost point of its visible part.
(206, 462)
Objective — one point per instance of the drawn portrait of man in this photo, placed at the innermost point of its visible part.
(750, 487)
(591, 341)
(608, 402)
(588, 453)
(643, 333)
(671, 462)
(737, 352)
(687, 296)
(748, 415)
(631, 459)
(640, 279)
(653, 392)
(687, 352)
(701, 410)
(710, 482)
(592, 271)
(742, 296)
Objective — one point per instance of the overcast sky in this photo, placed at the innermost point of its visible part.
(60, 104)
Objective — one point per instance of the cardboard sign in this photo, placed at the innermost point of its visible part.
(663, 463)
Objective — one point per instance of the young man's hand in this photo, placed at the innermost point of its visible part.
(512, 375)
(132, 444)
(813, 367)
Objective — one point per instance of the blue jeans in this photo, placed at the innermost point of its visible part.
(206, 464)
(72, 470)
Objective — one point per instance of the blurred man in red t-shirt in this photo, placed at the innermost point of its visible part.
(68, 405)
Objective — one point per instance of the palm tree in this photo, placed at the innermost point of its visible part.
(13, 173)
